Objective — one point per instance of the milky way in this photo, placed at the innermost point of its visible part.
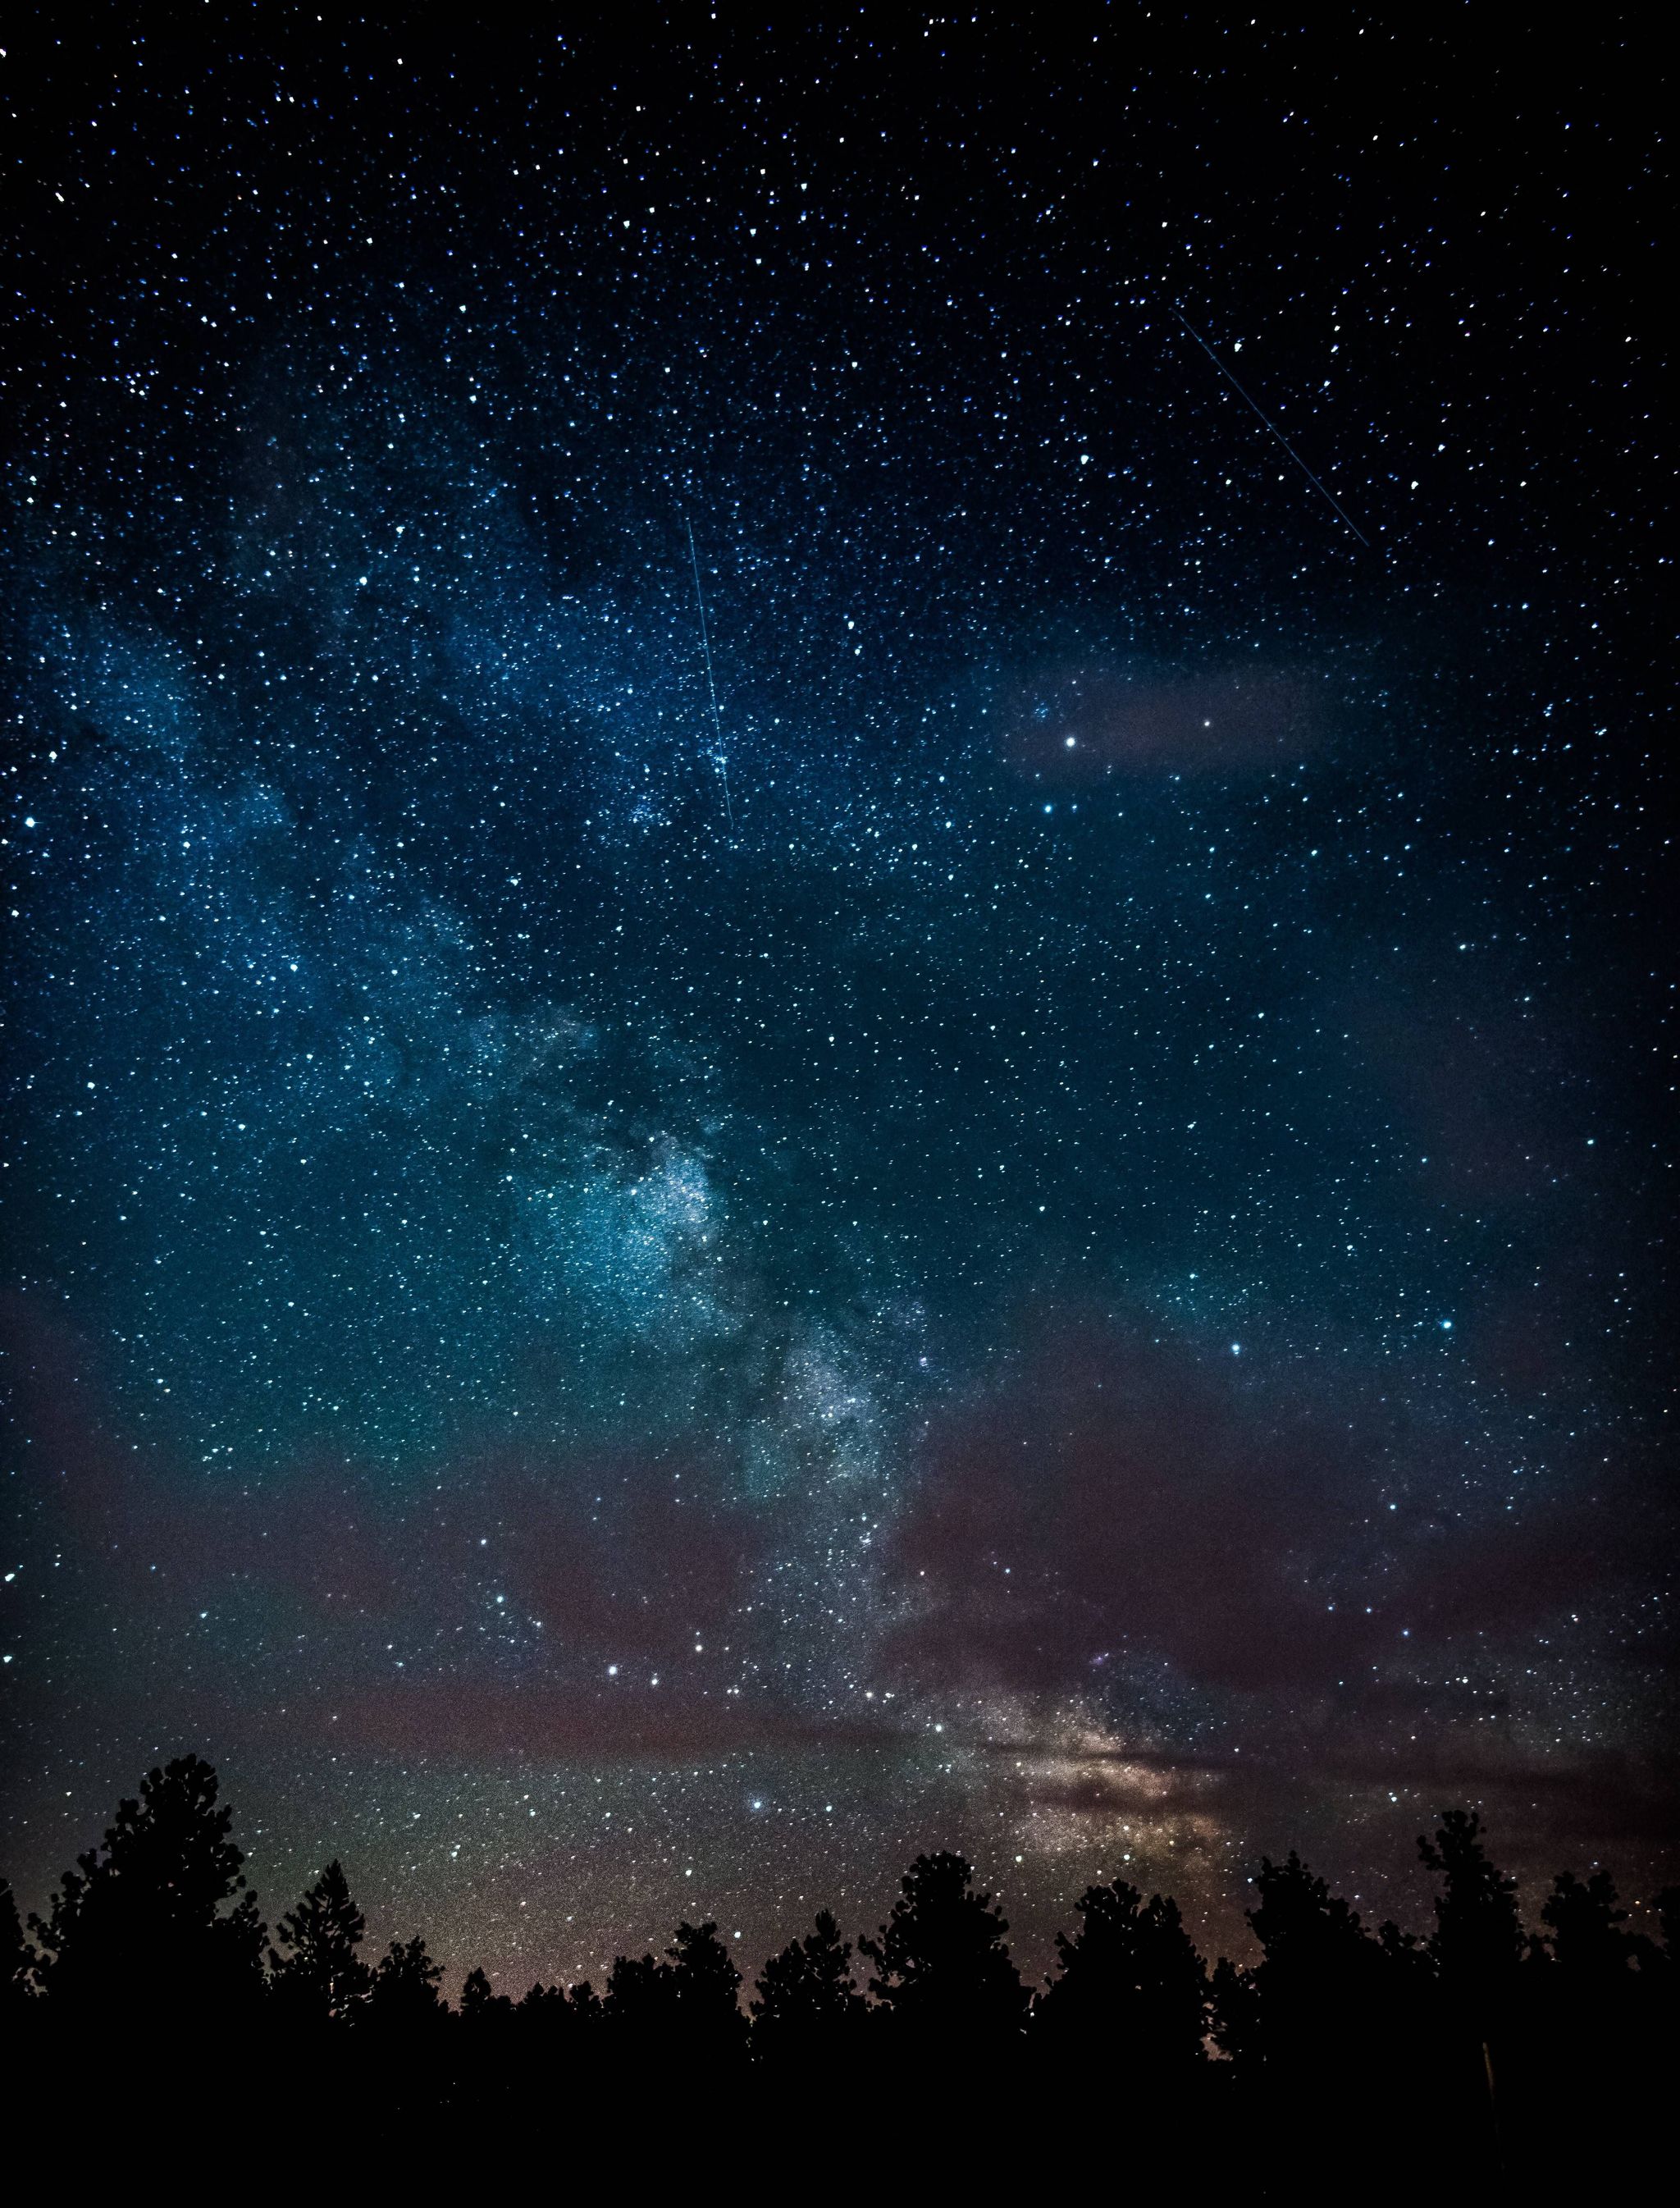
(1036, 1224)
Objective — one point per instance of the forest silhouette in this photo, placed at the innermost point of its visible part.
(1369, 2060)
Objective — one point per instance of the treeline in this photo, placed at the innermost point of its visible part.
(1471, 2028)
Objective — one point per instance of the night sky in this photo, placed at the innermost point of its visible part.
(1036, 1223)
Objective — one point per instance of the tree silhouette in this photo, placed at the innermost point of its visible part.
(1479, 1941)
(403, 2039)
(158, 1920)
(1318, 1983)
(554, 2024)
(1344, 2045)
(708, 1987)
(318, 1976)
(1409, 1994)
(545, 2007)
(403, 1994)
(808, 2008)
(1131, 1990)
(1586, 1923)
(942, 1973)
(686, 2005)
(491, 2042)
(1592, 1997)
(17, 1961)
(1233, 2012)
(481, 2006)
(639, 1999)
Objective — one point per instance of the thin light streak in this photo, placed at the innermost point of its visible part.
(1320, 487)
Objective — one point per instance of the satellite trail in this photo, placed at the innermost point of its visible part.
(1325, 493)
(720, 757)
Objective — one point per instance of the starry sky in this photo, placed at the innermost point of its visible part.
(836, 1015)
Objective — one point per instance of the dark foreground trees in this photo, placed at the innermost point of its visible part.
(1131, 1994)
(806, 2005)
(682, 2008)
(317, 1974)
(156, 1925)
(1485, 2048)
(943, 1978)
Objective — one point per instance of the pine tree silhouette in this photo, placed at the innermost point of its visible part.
(808, 2009)
(158, 1922)
(1234, 2013)
(544, 2008)
(490, 2040)
(1479, 1943)
(1586, 1922)
(640, 2000)
(1316, 1986)
(707, 1986)
(942, 1973)
(403, 1994)
(318, 1977)
(1600, 1990)
(1132, 1992)
(1488, 2052)
(17, 1962)
(684, 2005)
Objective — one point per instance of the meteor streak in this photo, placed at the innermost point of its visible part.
(1327, 494)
